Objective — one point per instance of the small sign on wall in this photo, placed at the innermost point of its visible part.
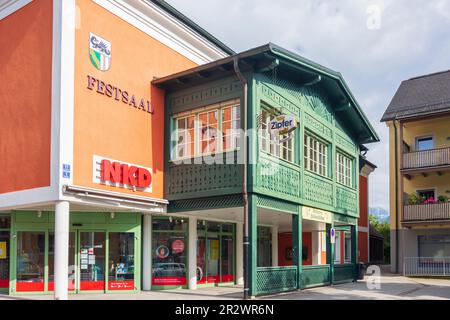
(66, 171)
(332, 235)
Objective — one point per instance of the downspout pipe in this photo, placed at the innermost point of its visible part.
(396, 197)
(246, 243)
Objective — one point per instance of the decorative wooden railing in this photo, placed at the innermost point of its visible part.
(426, 158)
(426, 212)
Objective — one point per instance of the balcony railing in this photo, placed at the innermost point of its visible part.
(426, 158)
(426, 212)
(426, 267)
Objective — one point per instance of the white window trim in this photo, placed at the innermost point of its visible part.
(268, 139)
(337, 248)
(197, 141)
(352, 165)
(307, 159)
(345, 236)
(417, 138)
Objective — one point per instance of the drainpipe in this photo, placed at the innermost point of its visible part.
(396, 197)
(244, 180)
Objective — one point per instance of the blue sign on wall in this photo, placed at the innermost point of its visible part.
(66, 171)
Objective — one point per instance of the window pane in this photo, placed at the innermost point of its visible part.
(92, 260)
(424, 144)
(51, 261)
(30, 261)
(5, 222)
(169, 252)
(4, 260)
(121, 261)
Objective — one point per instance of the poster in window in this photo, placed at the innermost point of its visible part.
(3, 253)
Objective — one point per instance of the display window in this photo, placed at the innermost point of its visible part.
(121, 261)
(169, 252)
(215, 252)
(30, 261)
(5, 223)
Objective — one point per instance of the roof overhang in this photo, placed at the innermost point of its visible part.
(292, 66)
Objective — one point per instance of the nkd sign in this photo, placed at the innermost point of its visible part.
(122, 175)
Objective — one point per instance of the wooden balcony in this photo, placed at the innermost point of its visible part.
(427, 159)
(430, 213)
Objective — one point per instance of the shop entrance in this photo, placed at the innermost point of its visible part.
(104, 252)
(215, 253)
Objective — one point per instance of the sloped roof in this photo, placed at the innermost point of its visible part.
(294, 65)
(419, 96)
(374, 232)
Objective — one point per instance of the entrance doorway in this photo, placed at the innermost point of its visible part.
(215, 252)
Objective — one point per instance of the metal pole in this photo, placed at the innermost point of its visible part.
(244, 180)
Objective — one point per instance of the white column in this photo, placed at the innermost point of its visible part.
(192, 253)
(240, 253)
(147, 254)
(61, 267)
(274, 246)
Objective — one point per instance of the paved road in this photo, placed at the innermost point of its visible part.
(392, 287)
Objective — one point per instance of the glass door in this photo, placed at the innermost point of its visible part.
(121, 261)
(213, 258)
(227, 258)
(92, 260)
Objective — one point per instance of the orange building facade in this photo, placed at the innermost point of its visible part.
(82, 148)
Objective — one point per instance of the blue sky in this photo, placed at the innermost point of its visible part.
(375, 45)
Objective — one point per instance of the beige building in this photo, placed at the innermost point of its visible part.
(418, 119)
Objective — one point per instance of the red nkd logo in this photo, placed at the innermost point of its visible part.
(116, 172)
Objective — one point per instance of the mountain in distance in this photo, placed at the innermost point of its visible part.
(381, 214)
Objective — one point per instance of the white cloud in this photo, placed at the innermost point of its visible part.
(413, 39)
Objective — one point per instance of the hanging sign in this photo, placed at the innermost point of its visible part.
(283, 124)
(316, 215)
(332, 235)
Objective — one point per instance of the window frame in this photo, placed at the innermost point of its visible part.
(197, 139)
(307, 155)
(266, 141)
(416, 142)
(342, 175)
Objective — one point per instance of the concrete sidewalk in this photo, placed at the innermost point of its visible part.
(393, 287)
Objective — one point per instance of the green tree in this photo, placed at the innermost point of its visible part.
(383, 227)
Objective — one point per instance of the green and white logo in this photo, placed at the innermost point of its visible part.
(100, 52)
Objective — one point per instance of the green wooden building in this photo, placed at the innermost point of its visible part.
(229, 175)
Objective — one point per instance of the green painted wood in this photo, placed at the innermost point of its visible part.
(277, 204)
(276, 279)
(330, 253)
(297, 245)
(227, 201)
(253, 244)
(343, 273)
(313, 276)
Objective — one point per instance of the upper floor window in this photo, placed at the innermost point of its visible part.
(424, 143)
(207, 131)
(316, 156)
(344, 169)
(270, 143)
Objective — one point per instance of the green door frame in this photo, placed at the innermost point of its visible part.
(205, 233)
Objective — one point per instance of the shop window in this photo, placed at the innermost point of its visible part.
(92, 260)
(208, 131)
(215, 252)
(276, 146)
(344, 170)
(5, 222)
(434, 246)
(347, 247)
(30, 261)
(4, 259)
(316, 156)
(169, 251)
(265, 247)
(121, 261)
